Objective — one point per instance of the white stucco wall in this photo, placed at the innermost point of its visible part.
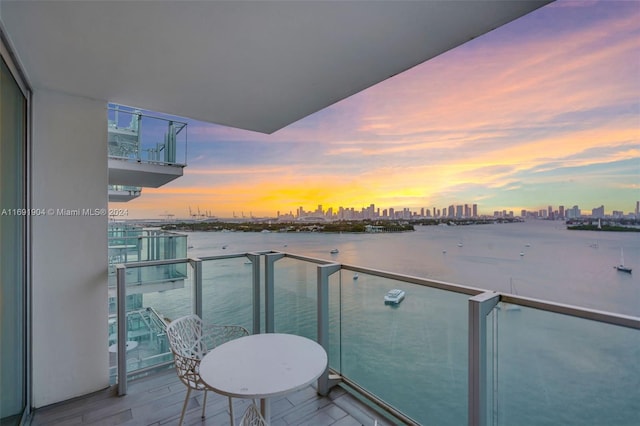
(69, 168)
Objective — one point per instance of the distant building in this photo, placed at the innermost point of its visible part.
(598, 212)
(574, 212)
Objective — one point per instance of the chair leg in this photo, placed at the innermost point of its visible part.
(204, 403)
(184, 406)
(233, 422)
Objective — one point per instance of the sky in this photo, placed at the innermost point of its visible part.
(542, 111)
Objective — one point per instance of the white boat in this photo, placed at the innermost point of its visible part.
(393, 297)
(334, 251)
(621, 266)
(355, 276)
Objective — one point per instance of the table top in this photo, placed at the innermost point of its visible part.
(263, 365)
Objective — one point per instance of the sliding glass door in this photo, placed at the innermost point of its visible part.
(13, 248)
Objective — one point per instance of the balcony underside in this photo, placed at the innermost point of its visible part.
(149, 175)
(158, 399)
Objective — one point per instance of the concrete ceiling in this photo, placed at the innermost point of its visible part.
(257, 65)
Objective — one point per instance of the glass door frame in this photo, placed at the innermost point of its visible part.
(6, 54)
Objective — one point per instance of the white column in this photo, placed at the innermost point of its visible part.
(69, 168)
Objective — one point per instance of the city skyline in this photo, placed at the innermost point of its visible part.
(540, 111)
(372, 211)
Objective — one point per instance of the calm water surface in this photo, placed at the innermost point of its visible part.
(574, 267)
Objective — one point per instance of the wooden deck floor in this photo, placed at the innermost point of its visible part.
(158, 399)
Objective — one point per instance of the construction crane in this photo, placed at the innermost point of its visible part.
(167, 216)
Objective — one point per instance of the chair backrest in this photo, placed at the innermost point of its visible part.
(252, 417)
(186, 338)
(188, 347)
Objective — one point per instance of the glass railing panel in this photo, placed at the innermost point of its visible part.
(126, 188)
(227, 292)
(413, 355)
(295, 290)
(556, 369)
(133, 135)
(124, 249)
(163, 247)
(491, 366)
(150, 305)
(147, 248)
(335, 326)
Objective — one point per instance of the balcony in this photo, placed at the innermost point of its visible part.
(130, 243)
(123, 193)
(446, 355)
(144, 151)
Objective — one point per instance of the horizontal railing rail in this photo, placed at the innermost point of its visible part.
(574, 311)
(456, 288)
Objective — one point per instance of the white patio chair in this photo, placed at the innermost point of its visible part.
(252, 417)
(190, 339)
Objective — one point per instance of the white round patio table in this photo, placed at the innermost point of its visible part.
(263, 366)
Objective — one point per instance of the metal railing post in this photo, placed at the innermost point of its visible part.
(121, 297)
(255, 266)
(197, 285)
(324, 271)
(269, 298)
(479, 308)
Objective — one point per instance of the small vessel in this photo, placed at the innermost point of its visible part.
(393, 297)
(224, 247)
(521, 253)
(334, 251)
(621, 266)
(355, 276)
(460, 244)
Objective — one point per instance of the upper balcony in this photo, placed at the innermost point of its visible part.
(130, 243)
(144, 151)
(123, 193)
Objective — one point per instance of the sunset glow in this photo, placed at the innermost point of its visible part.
(543, 111)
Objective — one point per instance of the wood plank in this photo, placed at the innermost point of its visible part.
(157, 400)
